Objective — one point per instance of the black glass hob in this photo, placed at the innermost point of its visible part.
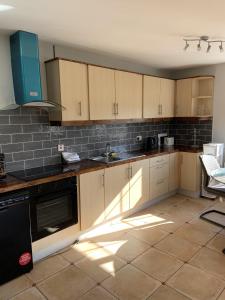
(40, 172)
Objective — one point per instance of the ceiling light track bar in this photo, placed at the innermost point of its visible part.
(205, 39)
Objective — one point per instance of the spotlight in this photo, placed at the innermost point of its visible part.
(221, 47)
(186, 46)
(208, 48)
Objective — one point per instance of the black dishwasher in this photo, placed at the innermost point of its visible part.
(15, 235)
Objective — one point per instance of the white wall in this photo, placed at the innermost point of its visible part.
(6, 84)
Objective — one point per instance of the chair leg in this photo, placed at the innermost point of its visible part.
(221, 199)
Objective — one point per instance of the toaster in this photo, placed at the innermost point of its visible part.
(168, 141)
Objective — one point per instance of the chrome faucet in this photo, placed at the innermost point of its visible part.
(107, 150)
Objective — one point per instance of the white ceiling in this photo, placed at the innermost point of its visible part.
(146, 31)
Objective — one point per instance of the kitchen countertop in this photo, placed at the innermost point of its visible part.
(11, 183)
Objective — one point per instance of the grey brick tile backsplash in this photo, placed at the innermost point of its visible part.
(28, 141)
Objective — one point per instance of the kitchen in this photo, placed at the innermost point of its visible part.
(100, 172)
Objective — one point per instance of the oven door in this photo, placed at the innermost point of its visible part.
(52, 212)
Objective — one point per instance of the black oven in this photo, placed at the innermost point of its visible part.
(53, 207)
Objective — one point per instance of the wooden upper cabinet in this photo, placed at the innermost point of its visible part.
(183, 98)
(167, 95)
(158, 97)
(67, 85)
(151, 97)
(128, 95)
(101, 93)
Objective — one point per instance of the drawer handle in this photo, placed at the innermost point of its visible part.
(80, 109)
(160, 181)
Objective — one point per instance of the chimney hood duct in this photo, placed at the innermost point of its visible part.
(26, 71)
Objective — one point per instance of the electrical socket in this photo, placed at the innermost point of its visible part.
(139, 138)
(60, 147)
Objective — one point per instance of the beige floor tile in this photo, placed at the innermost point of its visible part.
(30, 294)
(210, 261)
(97, 293)
(128, 247)
(222, 296)
(204, 225)
(181, 248)
(157, 264)
(196, 284)
(107, 239)
(217, 243)
(150, 235)
(166, 293)
(14, 287)
(144, 218)
(192, 233)
(47, 267)
(131, 284)
(79, 251)
(101, 264)
(71, 283)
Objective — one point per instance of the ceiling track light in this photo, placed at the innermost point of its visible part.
(221, 47)
(204, 39)
(186, 46)
(209, 47)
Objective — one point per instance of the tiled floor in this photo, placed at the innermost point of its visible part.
(164, 252)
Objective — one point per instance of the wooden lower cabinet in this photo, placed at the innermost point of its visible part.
(173, 171)
(159, 180)
(92, 205)
(139, 183)
(116, 190)
(190, 172)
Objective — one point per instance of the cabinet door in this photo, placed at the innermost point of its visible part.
(139, 183)
(151, 96)
(183, 98)
(159, 184)
(167, 94)
(74, 90)
(128, 95)
(173, 171)
(101, 93)
(116, 190)
(92, 204)
(190, 171)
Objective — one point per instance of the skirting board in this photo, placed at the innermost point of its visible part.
(189, 193)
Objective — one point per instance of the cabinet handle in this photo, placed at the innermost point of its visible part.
(80, 108)
(160, 181)
(159, 109)
(114, 108)
(103, 179)
(117, 108)
(129, 170)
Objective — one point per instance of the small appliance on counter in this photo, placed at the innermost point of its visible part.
(217, 150)
(169, 141)
(70, 157)
(151, 143)
(2, 166)
(161, 139)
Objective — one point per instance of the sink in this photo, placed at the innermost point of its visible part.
(122, 156)
(106, 160)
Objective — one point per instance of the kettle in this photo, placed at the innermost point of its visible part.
(151, 143)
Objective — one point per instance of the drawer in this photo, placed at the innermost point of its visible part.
(161, 159)
(159, 180)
